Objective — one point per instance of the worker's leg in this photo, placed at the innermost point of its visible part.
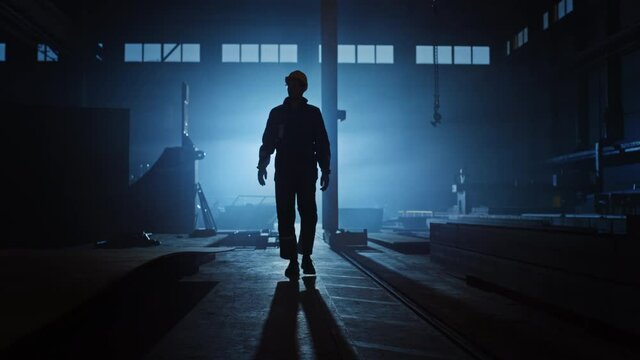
(285, 207)
(308, 215)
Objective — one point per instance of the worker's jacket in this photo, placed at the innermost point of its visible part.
(301, 141)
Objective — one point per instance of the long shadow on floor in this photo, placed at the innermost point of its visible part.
(279, 335)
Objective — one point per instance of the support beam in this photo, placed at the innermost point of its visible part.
(329, 36)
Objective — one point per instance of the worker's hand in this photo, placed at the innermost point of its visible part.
(262, 176)
(324, 181)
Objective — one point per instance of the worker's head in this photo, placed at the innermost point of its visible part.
(296, 83)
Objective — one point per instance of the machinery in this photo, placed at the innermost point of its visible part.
(163, 200)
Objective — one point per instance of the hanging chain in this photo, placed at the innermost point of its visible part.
(436, 78)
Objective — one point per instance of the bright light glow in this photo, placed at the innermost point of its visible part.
(481, 55)
(230, 53)
(462, 55)
(288, 53)
(269, 53)
(346, 54)
(132, 52)
(424, 54)
(384, 54)
(366, 54)
(190, 52)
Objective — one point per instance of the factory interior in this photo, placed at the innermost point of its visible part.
(320, 179)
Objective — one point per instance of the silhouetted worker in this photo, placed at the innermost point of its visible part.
(296, 130)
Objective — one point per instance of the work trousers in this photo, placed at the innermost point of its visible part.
(287, 190)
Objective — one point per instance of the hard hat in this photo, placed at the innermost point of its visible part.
(298, 75)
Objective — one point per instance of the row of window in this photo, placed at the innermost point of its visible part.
(518, 40)
(558, 11)
(362, 54)
(280, 53)
(161, 52)
(459, 55)
(266, 53)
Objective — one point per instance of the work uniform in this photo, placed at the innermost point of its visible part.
(302, 144)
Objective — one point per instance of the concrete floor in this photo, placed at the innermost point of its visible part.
(255, 313)
(501, 326)
(240, 306)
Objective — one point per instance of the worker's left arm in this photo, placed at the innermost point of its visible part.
(322, 147)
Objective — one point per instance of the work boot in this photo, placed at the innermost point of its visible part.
(307, 265)
(292, 271)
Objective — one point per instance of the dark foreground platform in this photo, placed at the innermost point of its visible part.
(45, 290)
(172, 302)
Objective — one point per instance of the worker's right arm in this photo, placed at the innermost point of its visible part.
(267, 148)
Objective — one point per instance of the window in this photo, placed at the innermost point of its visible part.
(46, 53)
(384, 54)
(526, 35)
(132, 52)
(569, 6)
(481, 55)
(3, 49)
(346, 54)
(288, 53)
(249, 53)
(424, 54)
(269, 53)
(151, 53)
(230, 52)
(520, 39)
(190, 52)
(171, 52)
(561, 9)
(462, 55)
(508, 47)
(444, 55)
(545, 21)
(366, 54)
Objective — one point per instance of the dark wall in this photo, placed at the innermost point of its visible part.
(570, 87)
(66, 171)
